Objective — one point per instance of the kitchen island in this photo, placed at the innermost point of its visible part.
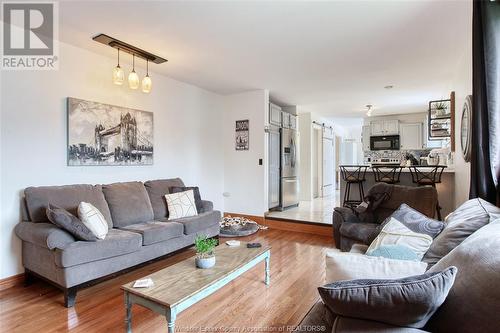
(445, 189)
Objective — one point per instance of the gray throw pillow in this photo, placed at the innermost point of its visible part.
(69, 222)
(196, 193)
(406, 302)
(416, 221)
(463, 222)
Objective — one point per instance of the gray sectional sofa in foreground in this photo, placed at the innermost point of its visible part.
(139, 232)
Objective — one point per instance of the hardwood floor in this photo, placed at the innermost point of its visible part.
(297, 269)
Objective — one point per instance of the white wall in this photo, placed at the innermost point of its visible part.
(245, 181)
(187, 135)
(462, 85)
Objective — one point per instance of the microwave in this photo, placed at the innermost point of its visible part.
(387, 142)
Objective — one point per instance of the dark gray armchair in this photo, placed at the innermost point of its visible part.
(351, 226)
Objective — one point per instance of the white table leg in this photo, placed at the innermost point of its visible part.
(268, 269)
(171, 316)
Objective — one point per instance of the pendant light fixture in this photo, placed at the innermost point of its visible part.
(146, 82)
(118, 74)
(133, 78)
(369, 112)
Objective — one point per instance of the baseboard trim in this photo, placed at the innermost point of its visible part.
(258, 219)
(289, 225)
(298, 226)
(11, 281)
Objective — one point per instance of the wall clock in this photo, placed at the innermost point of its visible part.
(465, 128)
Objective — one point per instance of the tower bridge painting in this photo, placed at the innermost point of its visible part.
(103, 134)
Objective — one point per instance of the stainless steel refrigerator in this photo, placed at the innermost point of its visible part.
(289, 168)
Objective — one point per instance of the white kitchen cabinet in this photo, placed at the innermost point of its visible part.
(385, 127)
(293, 121)
(274, 114)
(285, 120)
(366, 138)
(411, 136)
(391, 127)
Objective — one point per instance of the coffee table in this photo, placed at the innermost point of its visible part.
(179, 286)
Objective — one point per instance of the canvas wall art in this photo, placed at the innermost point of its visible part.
(242, 134)
(103, 134)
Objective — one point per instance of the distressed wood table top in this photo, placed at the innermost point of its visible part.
(181, 281)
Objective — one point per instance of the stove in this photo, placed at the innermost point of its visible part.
(386, 160)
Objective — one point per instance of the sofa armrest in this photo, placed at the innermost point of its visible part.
(207, 206)
(46, 235)
(347, 214)
(352, 325)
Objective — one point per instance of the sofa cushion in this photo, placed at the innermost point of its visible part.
(473, 304)
(348, 266)
(200, 222)
(157, 190)
(196, 193)
(69, 222)
(155, 231)
(116, 243)
(395, 232)
(67, 197)
(351, 325)
(416, 221)
(409, 301)
(93, 219)
(181, 204)
(128, 202)
(463, 222)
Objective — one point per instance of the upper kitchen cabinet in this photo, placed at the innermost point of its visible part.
(274, 114)
(293, 122)
(365, 138)
(411, 136)
(385, 127)
(285, 119)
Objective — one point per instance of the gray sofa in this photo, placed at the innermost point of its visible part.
(140, 231)
(473, 303)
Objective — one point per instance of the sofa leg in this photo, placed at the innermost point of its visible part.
(69, 297)
(29, 278)
(217, 239)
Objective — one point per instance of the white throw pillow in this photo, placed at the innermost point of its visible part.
(350, 266)
(181, 204)
(93, 219)
(395, 232)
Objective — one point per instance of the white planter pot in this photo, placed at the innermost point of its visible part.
(205, 262)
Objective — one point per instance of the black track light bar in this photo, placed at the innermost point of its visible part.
(125, 47)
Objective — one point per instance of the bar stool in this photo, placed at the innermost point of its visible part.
(386, 173)
(356, 175)
(428, 176)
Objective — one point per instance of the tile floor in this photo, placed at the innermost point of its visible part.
(318, 210)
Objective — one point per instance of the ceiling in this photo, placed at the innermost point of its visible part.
(332, 58)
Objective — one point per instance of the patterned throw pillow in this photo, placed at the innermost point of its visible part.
(396, 233)
(181, 204)
(408, 302)
(416, 221)
(69, 222)
(196, 193)
(93, 219)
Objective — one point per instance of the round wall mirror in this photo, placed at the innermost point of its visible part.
(465, 128)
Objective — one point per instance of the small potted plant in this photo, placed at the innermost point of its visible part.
(205, 256)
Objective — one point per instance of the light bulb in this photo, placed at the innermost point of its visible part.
(133, 80)
(146, 84)
(118, 75)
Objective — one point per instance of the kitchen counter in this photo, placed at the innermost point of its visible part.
(407, 169)
(445, 189)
